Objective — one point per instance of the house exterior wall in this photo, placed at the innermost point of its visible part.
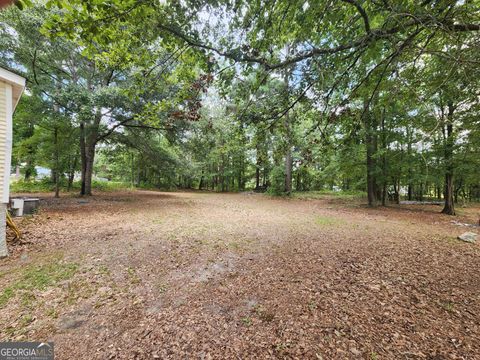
(5, 138)
(11, 88)
(3, 241)
(5, 124)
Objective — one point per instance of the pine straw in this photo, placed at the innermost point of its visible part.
(199, 275)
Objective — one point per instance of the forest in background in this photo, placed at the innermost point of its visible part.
(282, 96)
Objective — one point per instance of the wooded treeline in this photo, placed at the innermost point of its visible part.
(374, 96)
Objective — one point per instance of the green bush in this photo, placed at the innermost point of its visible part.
(108, 185)
(31, 186)
(319, 194)
(46, 185)
(277, 181)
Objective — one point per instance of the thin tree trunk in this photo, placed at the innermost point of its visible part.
(396, 195)
(132, 170)
(57, 163)
(384, 161)
(71, 176)
(449, 207)
(83, 157)
(370, 137)
(288, 154)
(257, 173)
(200, 185)
(299, 180)
(222, 175)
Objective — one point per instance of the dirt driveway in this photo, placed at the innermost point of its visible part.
(240, 276)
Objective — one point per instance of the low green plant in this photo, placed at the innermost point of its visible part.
(448, 306)
(247, 321)
(46, 185)
(32, 186)
(37, 277)
(321, 194)
(133, 276)
(328, 221)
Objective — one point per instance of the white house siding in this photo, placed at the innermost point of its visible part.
(3, 242)
(3, 142)
(11, 88)
(5, 138)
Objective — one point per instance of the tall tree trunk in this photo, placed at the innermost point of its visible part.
(222, 175)
(458, 188)
(72, 165)
(240, 180)
(90, 157)
(83, 158)
(30, 166)
(371, 183)
(288, 170)
(88, 142)
(200, 184)
(87, 157)
(71, 177)
(449, 207)
(396, 195)
(299, 180)
(384, 194)
(384, 161)
(57, 163)
(132, 169)
(409, 160)
(371, 144)
(257, 173)
(288, 153)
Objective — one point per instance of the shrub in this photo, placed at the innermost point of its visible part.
(46, 185)
(277, 181)
(31, 186)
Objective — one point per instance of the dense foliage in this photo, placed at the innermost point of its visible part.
(375, 96)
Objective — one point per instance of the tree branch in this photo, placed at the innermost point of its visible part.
(112, 129)
(362, 12)
(372, 36)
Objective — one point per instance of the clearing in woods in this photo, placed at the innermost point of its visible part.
(204, 275)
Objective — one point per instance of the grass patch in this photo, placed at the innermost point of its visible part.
(328, 221)
(162, 288)
(133, 276)
(263, 314)
(448, 306)
(37, 277)
(312, 305)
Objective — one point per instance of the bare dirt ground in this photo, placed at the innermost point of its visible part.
(144, 275)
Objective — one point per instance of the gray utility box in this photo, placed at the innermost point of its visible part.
(24, 206)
